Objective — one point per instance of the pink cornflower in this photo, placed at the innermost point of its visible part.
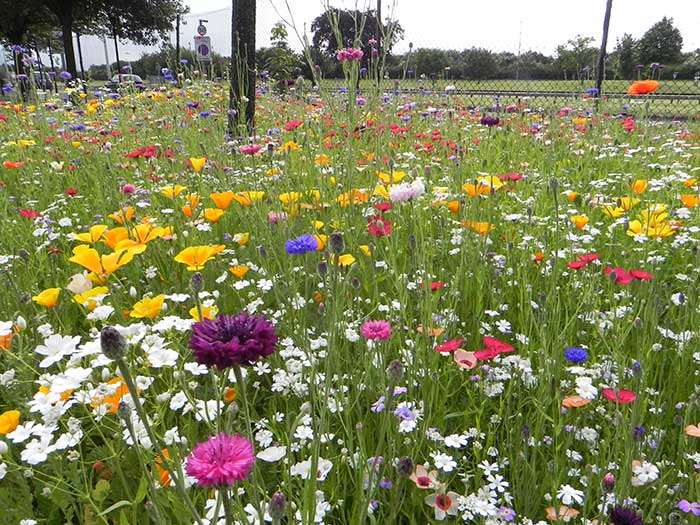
(128, 189)
(273, 217)
(251, 149)
(349, 55)
(221, 461)
(376, 330)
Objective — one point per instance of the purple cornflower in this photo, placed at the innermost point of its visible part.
(489, 121)
(232, 340)
(576, 355)
(625, 516)
(65, 75)
(301, 245)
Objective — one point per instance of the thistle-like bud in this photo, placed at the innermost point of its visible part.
(196, 283)
(608, 482)
(336, 243)
(277, 506)
(395, 371)
(404, 467)
(322, 268)
(113, 343)
(124, 411)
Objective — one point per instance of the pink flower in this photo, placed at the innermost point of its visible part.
(349, 55)
(376, 330)
(251, 149)
(621, 396)
(128, 189)
(221, 461)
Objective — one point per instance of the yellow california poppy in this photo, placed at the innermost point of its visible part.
(195, 257)
(148, 307)
(47, 298)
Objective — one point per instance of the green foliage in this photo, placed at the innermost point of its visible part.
(661, 44)
(355, 28)
(577, 54)
(624, 57)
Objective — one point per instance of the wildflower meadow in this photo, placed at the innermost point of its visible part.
(393, 308)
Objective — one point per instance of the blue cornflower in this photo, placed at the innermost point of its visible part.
(576, 355)
(303, 244)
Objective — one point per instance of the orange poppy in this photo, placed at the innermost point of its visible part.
(563, 513)
(693, 430)
(643, 87)
(574, 401)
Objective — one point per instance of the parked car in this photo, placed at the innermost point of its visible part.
(125, 81)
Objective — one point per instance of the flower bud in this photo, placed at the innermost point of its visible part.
(277, 506)
(608, 482)
(196, 283)
(124, 411)
(395, 371)
(404, 467)
(336, 243)
(113, 343)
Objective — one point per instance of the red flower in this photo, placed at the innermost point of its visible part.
(449, 346)
(382, 206)
(378, 226)
(437, 285)
(292, 125)
(494, 347)
(71, 191)
(641, 275)
(29, 214)
(583, 260)
(621, 396)
(511, 176)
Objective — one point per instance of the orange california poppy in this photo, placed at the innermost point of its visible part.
(574, 401)
(693, 430)
(563, 513)
(643, 87)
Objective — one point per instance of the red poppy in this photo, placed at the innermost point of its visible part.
(29, 214)
(292, 125)
(378, 226)
(583, 260)
(621, 396)
(494, 347)
(437, 285)
(622, 276)
(71, 191)
(11, 164)
(382, 206)
(449, 346)
(641, 275)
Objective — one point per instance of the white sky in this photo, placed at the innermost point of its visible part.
(498, 25)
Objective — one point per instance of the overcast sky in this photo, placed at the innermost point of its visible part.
(499, 25)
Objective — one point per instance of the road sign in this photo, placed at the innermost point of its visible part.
(202, 30)
(202, 45)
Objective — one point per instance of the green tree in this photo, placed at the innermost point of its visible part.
(577, 54)
(662, 43)
(478, 63)
(623, 56)
(353, 26)
(279, 59)
(429, 61)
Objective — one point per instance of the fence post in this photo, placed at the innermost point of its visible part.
(600, 71)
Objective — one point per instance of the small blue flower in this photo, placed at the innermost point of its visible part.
(301, 245)
(576, 355)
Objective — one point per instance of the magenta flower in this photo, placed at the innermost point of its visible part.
(221, 461)
(232, 340)
(251, 149)
(376, 330)
(349, 55)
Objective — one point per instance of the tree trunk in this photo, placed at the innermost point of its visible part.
(242, 64)
(116, 51)
(67, 27)
(177, 50)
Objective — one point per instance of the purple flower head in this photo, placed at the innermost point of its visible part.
(687, 507)
(17, 48)
(232, 340)
(126, 69)
(301, 245)
(489, 121)
(625, 516)
(221, 461)
(65, 75)
(22, 76)
(576, 355)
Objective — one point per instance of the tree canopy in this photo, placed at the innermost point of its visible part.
(662, 43)
(353, 27)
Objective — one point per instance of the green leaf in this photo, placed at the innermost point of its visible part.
(117, 505)
(141, 491)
